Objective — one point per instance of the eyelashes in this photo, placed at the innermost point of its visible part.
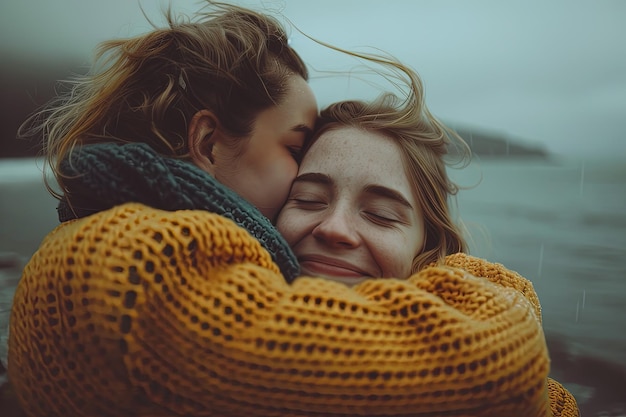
(316, 204)
(308, 204)
(296, 152)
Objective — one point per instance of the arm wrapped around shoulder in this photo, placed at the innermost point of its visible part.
(136, 311)
(498, 274)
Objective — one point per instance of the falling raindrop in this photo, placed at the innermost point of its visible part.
(540, 267)
(580, 305)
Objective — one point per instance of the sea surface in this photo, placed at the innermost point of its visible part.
(560, 222)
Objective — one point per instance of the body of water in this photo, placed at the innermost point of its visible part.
(562, 224)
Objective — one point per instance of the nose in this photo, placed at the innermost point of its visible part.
(337, 228)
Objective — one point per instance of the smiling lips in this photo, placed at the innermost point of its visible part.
(320, 265)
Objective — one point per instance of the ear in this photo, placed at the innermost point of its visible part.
(202, 136)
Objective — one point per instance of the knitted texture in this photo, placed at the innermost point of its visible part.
(138, 311)
(104, 175)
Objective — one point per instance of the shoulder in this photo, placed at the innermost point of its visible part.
(135, 231)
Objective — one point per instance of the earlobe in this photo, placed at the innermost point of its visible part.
(201, 138)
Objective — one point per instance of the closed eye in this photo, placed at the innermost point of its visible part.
(381, 219)
(296, 152)
(308, 204)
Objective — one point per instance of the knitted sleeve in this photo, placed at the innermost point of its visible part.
(136, 311)
(562, 402)
(498, 274)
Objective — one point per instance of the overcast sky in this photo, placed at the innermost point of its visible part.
(548, 72)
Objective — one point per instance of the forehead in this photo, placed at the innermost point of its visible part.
(358, 153)
(297, 108)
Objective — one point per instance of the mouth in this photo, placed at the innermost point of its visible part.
(336, 269)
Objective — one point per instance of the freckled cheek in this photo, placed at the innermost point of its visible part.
(394, 260)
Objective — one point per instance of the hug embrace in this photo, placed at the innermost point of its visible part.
(226, 249)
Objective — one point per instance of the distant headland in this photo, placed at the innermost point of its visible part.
(486, 144)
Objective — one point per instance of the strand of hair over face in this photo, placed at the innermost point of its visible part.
(410, 110)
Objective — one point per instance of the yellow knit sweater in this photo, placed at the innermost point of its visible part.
(142, 312)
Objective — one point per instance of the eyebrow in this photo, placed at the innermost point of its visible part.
(302, 128)
(389, 193)
(315, 177)
(379, 190)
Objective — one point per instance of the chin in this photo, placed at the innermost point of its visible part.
(349, 281)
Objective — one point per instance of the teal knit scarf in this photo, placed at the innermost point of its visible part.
(102, 176)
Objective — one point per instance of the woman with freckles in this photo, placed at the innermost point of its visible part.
(371, 198)
(347, 222)
(371, 201)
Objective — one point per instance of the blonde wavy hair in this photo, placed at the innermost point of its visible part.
(230, 60)
(427, 146)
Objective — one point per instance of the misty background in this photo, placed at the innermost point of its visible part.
(549, 73)
(538, 89)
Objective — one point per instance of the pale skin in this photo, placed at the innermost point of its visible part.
(263, 168)
(352, 213)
